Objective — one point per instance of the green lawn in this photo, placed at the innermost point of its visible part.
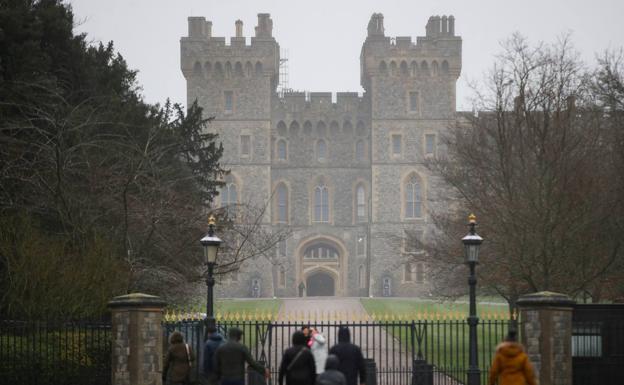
(247, 306)
(443, 329)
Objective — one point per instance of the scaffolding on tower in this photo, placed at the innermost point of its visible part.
(283, 86)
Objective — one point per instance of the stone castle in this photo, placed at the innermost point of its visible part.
(346, 175)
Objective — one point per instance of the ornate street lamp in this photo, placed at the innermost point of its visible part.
(211, 244)
(472, 241)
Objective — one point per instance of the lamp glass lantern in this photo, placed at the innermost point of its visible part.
(472, 242)
(211, 245)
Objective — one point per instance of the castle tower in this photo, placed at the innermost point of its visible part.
(411, 87)
(234, 84)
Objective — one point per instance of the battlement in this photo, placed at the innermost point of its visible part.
(200, 29)
(210, 56)
(438, 53)
(345, 101)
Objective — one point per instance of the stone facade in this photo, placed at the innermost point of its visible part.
(546, 320)
(137, 344)
(347, 175)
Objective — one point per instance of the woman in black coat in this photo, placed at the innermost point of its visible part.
(297, 363)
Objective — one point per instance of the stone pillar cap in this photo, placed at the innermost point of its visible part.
(137, 300)
(545, 298)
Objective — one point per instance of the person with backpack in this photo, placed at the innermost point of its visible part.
(213, 341)
(297, 366)
(331, 375)
(178, 362)
(230, 359)
(511, 365)
(351, 358)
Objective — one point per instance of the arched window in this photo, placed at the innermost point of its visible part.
(383, 67)
(404, 69)
(258, 68)
(445, 67)
(281, 149)
(197, 69)
(282, 203)
(413, 197)
(229, 195)
(321, 204)
(360, 203)
(393, 68)
(321, 251)
(307, 128)
(359, 150)
(294, 128)
(321, 150)
(424, 68)
(248, 69)
(281, 128)
(218, 70)
(435, 68)
(414, 68)
(228, 70)
(208, 68)
(238, 69)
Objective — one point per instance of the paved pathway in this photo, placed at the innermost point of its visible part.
(392, 357)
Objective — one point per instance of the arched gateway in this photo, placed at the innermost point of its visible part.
(321, 266)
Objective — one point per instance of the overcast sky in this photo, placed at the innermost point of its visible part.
(324, 37)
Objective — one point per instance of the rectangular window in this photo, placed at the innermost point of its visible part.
(413, 241)
(430, 144)
(245, 143)
(281, 248)
(413, 96)
(407, 276)
(282, 277)
(360, 247)
(229, 101)
(396, 144)
(420, 273)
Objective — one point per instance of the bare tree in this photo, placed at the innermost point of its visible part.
(533, 166)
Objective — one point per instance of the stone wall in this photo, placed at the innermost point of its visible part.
(137, 351)
(546, 320)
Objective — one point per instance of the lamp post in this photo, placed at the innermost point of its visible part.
(211, 244)
(472, 241)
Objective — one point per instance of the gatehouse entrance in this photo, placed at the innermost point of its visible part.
(320, 284)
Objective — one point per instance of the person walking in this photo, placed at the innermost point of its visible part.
(350, 356)
(213, 341)
(511, 365)
(178, 362)
(297, 365)
(230, 360)
(332, 375)
(318, 347)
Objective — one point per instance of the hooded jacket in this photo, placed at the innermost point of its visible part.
(331, 375)
(297, 365)
(210, 347)
(178, 362)
(318, 347)
(511, 366)
(351, 358)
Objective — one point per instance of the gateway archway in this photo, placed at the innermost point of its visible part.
(320, 284)
(322, 266)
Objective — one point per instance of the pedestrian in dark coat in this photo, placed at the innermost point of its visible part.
(332, 375)
(230, 359)
(351, 358)
(178, 362)
(211, 345)
(297, 365)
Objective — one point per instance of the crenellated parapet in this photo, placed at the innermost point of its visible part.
(210, 57)
(321, 102)
(437, 54)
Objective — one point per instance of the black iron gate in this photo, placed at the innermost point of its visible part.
(598, 344)
(404, 352)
